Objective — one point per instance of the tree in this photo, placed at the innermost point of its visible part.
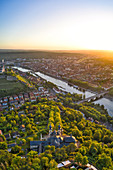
(3, 145)
(28, 127)
(47, 147)
(29, 139)
(76, 132)
(49, 156)
(98, 135)
(2, 138)
(32, 154)
(16, 149)
(16, 160)
(82, 150)
(87, 132)
(24, 141)
(44, 162)
(104, 161)
(52, 164)
(71, 148)
(106, 139)
(78, 158)
(36, 160)
(53, 148)
(58, 157)
(85, 160)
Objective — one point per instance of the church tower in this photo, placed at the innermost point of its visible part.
(59, 129)
(3, 67)
(50, 129)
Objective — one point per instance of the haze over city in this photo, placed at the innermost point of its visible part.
(56, 25)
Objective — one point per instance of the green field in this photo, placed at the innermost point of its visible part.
(5, 84)
(10, 87)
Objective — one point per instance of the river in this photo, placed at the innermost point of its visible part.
(108, 104)
(64, 86)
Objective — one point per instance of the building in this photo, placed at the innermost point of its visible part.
(2, 67)
(1, 132)
(11, 78)
(7, 136)
(90, 167)
(55, 138)
(22, 127)
(10, 146)
(15, 135)
(64, 164)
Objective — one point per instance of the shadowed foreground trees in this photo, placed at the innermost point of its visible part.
(94, 141)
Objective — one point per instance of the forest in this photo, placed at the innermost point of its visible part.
(32, 119)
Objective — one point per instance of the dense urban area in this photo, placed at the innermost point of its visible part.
(43, 126)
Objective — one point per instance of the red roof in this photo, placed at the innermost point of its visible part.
(1, 109)
(37, 94)
(16, 99)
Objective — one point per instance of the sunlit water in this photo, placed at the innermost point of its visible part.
(63, 85)
(108, 104)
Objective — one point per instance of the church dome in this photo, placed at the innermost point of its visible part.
(59, 127)
(50, 127)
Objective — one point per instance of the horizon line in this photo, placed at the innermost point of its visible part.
(12, 49)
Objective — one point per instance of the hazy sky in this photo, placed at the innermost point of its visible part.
(56, 24)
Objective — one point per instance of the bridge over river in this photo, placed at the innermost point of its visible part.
(93, 98)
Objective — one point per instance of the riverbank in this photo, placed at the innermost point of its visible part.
(107, 96)
(82, 89)
(65, 87)
(80, 84)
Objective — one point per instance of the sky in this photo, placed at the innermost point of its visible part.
(56, 24)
